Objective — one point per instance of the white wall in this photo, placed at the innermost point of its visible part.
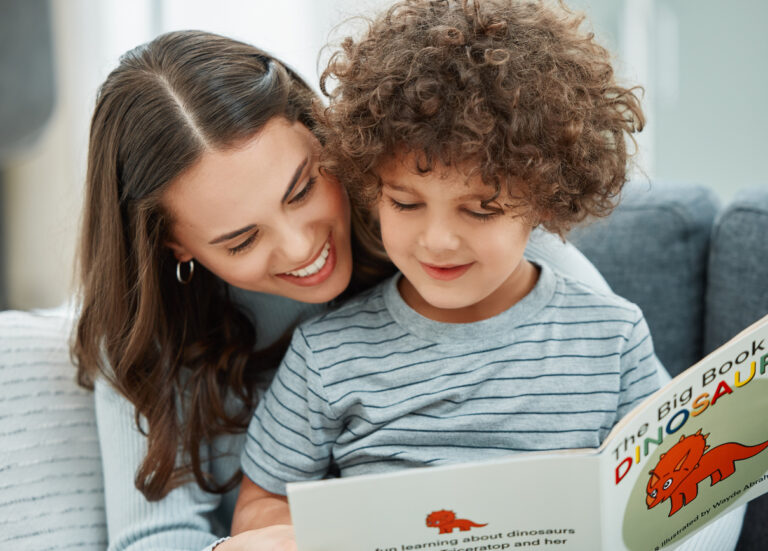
(703, 65)
(43, 184)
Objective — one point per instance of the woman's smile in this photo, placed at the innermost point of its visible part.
(317, 270)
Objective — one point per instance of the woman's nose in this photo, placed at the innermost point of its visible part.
(297, 244)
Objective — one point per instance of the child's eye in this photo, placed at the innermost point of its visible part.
(403, 206)
(243, 245)
(304, 193)
(482, 216)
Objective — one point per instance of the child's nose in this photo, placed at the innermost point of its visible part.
(438, 236)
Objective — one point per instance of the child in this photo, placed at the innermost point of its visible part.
(461, 126)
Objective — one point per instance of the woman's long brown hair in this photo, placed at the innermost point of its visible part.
(182, 354)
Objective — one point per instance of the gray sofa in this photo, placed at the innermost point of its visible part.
(698, 270)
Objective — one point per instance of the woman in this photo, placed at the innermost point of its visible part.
(209, 230)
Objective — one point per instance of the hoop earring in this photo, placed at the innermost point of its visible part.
(191, 268)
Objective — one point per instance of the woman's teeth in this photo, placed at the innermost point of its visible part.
(317, 265)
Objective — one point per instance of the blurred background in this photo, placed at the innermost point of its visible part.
(702, 64)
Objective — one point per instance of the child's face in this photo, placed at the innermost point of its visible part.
(460, 262)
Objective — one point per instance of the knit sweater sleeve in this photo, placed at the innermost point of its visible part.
(180, 521)
(188, 518)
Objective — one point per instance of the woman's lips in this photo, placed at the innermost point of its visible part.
(445, 273)
(322, 274)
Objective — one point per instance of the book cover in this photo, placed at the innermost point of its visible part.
(692, 450)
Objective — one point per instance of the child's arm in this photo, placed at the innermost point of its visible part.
(641, 370)
(258, 508)
(272, 538)
(282, 446)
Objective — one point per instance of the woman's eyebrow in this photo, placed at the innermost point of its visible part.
(231, 235)
(294, 179)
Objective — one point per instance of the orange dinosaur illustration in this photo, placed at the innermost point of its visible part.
(446, 521)
(677, 474)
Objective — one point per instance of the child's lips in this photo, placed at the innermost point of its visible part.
(446, 272)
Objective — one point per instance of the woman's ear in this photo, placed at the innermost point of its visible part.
(179, 251)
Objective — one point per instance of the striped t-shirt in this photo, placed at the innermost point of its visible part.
(374, 386)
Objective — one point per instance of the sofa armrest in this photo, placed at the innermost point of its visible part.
(51, 487)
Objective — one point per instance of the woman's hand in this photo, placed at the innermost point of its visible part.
(272, 538)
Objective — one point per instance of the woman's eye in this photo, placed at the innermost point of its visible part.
(403, 206)
(243, 245)
(304, 193)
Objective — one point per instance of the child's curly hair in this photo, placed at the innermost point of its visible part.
(513, 88)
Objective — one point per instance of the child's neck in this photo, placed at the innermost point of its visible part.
(515, 288)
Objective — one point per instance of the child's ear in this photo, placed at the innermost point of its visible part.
(179, 251)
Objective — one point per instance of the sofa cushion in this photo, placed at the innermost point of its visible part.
(51, 487)
(653, 251)
(737, 290)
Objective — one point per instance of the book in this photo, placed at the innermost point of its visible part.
(695, 449)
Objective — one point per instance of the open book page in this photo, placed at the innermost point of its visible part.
(696, 448)
(535, 501)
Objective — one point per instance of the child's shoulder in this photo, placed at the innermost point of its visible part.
(574, 295)
(363, 307)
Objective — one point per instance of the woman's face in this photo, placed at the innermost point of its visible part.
(262, 218)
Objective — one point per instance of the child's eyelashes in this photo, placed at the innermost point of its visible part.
(403, 206)
(482, 216)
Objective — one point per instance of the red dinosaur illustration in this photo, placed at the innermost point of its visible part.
(446, 521)
(677, 474)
